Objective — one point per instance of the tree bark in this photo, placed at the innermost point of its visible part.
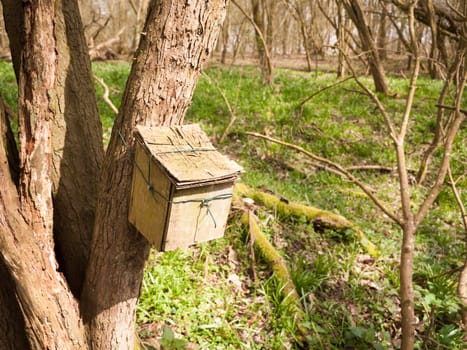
(406, 288)
(382, 36)
(264, 52)
(355, 12)
(13, 18)
(50, 311)
(177, 39)
(76, 123)
(12, 334)
(56, 119)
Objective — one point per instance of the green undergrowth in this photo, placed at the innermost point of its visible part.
(207, 297)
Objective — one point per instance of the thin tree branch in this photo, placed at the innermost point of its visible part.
(259, 32)
(452, 108)
(106, 94)
(302, 103)
(231, 110)
(451, 131)
(414, 78)
(339, 168)
(458, 198)
(375, 99)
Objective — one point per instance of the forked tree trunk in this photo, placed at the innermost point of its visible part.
(54, 70)
(75, 121)
(26, 213)
(178, 38)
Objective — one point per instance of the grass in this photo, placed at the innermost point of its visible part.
(206, 296)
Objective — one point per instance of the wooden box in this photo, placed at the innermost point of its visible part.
(182, 187)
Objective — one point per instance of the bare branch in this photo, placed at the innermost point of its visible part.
(339, 168)
(301, 105)
(458, 198)
(376, 100)
(452, 108)
(451, 131)
(231, 109)
(106, 93)
(258, 31)
(414, 78)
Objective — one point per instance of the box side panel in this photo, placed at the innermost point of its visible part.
(149, 198)
(198, 215)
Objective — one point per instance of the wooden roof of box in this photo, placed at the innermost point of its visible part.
(186, 155)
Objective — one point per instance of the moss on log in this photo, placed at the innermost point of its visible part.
(280, 270)
(319, 217)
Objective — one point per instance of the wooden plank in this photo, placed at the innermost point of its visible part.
(148, 209)
(190, 222)
(187, 155)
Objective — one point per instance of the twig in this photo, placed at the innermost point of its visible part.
(371, 167)
(302, 103)
(337, 167)
(452, 108)
(231, 109)
(106, 94)
(94, 50)
(259, 32)
(458, 198)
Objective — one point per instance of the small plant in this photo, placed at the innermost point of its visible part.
(168, 340)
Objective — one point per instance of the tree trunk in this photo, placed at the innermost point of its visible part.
(178, 38)
(225, 39)
(12, 334)
(61, 148)
(261, 41)
(50, 311)
(75, 121)
(434, 60)
(382, 36)
(354, 9)
(342, 45)
(271, 9)
(406, 288)
(13, 18)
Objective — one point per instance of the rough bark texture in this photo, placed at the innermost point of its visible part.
(406, 288)
(75, 124)
(12, 335)
(177, 39)
(26, 216)
(355, 12)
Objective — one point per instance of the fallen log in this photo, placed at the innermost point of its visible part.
(320, 218)
(280, 270)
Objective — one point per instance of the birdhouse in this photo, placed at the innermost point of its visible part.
(182, 186)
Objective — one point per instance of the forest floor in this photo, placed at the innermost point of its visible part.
(396, 65)
(224, 295)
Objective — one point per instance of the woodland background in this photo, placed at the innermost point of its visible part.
(282, 72)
